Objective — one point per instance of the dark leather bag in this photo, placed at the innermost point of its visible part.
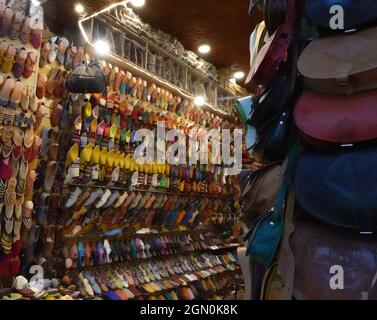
(317, 248)
(339, 186)
(341, 64)
(274, 12)
(337, 118)
(87, 78)
(356, 13)
(272, 54)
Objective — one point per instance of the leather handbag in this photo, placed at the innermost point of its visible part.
(265, 235)
(261, 189)
(349, 119)
(274, 12)
(274, 144)
(338, 187)
(244, 107)
(87, 78)
(272, 54)
(317, 249)
(258, 39)
(356, 13)
(341, 64)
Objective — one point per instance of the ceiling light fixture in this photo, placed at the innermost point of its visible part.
(204, 48)
(138, 3)
(79, 8)
(239, 75)
(102, 47)
(199, 101)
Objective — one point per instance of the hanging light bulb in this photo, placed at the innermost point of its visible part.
(102, 47)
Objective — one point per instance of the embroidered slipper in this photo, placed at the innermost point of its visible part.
(29, 64)
(19, 63)
(25, 98)
(69, 57)
(52, 81)
(6, 22)
(35, 34)
(18, 136)
(3, 48)
(16, 26)
(51, 170)
(56, 114)
(60, 84)
(41, 86)
(62, 44)
(45, 50)
(8, 59)
(15, 96)
(27, 210)
(40, 114)
(5, 91)
(25, 31)
(72, 154)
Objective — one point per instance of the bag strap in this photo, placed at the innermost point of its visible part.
(291, 16)
(287, 179)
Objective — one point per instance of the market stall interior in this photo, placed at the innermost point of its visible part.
(152, 158)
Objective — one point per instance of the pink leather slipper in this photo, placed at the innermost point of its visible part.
(19, 63)
(29, 64)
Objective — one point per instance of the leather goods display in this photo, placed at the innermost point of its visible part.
(356, 13)
(272, 54)
(87, 78)
(317, 248)
(349, 119)
(341, 64)
(338, 187)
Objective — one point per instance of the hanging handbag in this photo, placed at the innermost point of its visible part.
(356, 13)
(265, 235)
(269, 58)
(274, 12)
(342, 64)
(87, 78)
(339, 187)
(348, 119)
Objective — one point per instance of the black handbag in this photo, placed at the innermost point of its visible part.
(87, 78)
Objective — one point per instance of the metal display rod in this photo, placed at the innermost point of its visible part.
(140, 71)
